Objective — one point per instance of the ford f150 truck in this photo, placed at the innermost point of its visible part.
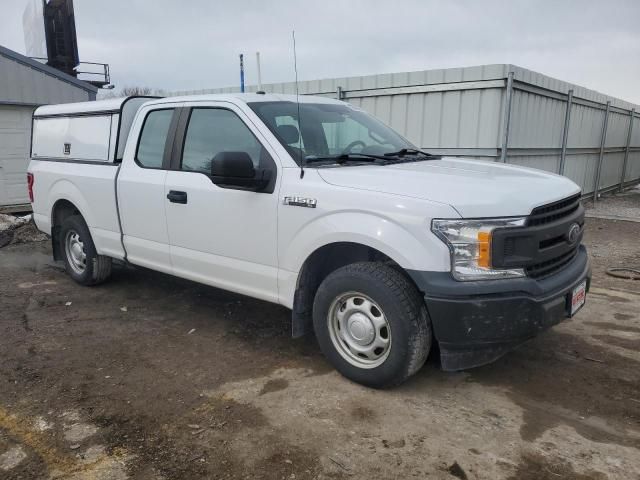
(381, 249)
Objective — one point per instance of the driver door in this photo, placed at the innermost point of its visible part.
(219, 235)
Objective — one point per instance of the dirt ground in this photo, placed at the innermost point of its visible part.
(616, 206)
(152, 377)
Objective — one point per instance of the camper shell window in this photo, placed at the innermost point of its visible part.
(88, 131)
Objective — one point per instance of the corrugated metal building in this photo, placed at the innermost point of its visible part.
(501, 112)
(24, 85)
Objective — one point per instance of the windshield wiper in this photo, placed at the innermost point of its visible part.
(347, 157)
(386, 159)
(410, 151)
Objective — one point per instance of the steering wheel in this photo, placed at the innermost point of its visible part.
(352, 145)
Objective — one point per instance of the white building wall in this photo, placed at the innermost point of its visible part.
(15, 128)
(25, 84)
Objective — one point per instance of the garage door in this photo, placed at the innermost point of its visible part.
(15, 137)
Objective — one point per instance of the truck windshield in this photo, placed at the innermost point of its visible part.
(327, 130)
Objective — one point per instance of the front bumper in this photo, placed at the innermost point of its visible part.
(475, 323)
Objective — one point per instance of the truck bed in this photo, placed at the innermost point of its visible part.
(89, 186)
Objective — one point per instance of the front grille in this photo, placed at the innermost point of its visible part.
(550, 242)
(554, 211)
(509, 247)
(542, 246)
(550, 267)
(546, 214)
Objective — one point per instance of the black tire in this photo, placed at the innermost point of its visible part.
(97, 268)
(405, 313)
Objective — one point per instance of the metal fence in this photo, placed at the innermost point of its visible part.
(500, 112)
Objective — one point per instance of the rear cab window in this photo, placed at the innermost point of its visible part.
(153, 138)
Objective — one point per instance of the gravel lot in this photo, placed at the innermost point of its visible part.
(624, 205)
(152, 377)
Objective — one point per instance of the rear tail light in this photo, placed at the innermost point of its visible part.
(30, 186)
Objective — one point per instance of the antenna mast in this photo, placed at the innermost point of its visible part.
(259, 74)
(295, 67)
(241, 73)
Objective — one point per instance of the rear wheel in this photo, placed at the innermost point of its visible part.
(81, 259)
(372, 324)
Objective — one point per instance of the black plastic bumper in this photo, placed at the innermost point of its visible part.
(475, 323)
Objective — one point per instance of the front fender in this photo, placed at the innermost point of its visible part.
(412, 250)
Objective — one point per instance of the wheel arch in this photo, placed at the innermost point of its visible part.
(318, 265)
(60, 211)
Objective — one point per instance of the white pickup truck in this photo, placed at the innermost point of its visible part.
(381, 249)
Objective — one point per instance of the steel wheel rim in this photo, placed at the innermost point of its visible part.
(74, 249)
(359, 330)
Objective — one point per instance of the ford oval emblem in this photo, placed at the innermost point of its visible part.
(573, 234)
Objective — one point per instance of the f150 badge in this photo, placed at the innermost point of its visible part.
(296, 201)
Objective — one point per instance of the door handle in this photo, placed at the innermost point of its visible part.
(174, 196)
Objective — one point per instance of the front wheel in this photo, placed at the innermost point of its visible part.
(372, 324)
(81, 259)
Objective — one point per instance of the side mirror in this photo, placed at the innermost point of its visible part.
(236, 170)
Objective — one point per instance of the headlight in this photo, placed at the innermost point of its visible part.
(470, 244)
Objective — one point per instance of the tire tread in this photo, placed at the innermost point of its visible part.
(99, 265)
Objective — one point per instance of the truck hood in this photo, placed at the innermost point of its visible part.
(474, 188)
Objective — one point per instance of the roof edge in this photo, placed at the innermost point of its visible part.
(46, 69)
(95, 107)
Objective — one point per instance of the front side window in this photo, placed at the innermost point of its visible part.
(215, 130)
(153, 138)
(327, 129)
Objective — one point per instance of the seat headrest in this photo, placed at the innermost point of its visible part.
(288, 133)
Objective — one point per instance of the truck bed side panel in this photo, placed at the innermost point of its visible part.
(90, 187)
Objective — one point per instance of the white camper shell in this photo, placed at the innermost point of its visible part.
(85, 132)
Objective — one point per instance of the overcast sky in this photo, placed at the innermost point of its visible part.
(193, 44)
